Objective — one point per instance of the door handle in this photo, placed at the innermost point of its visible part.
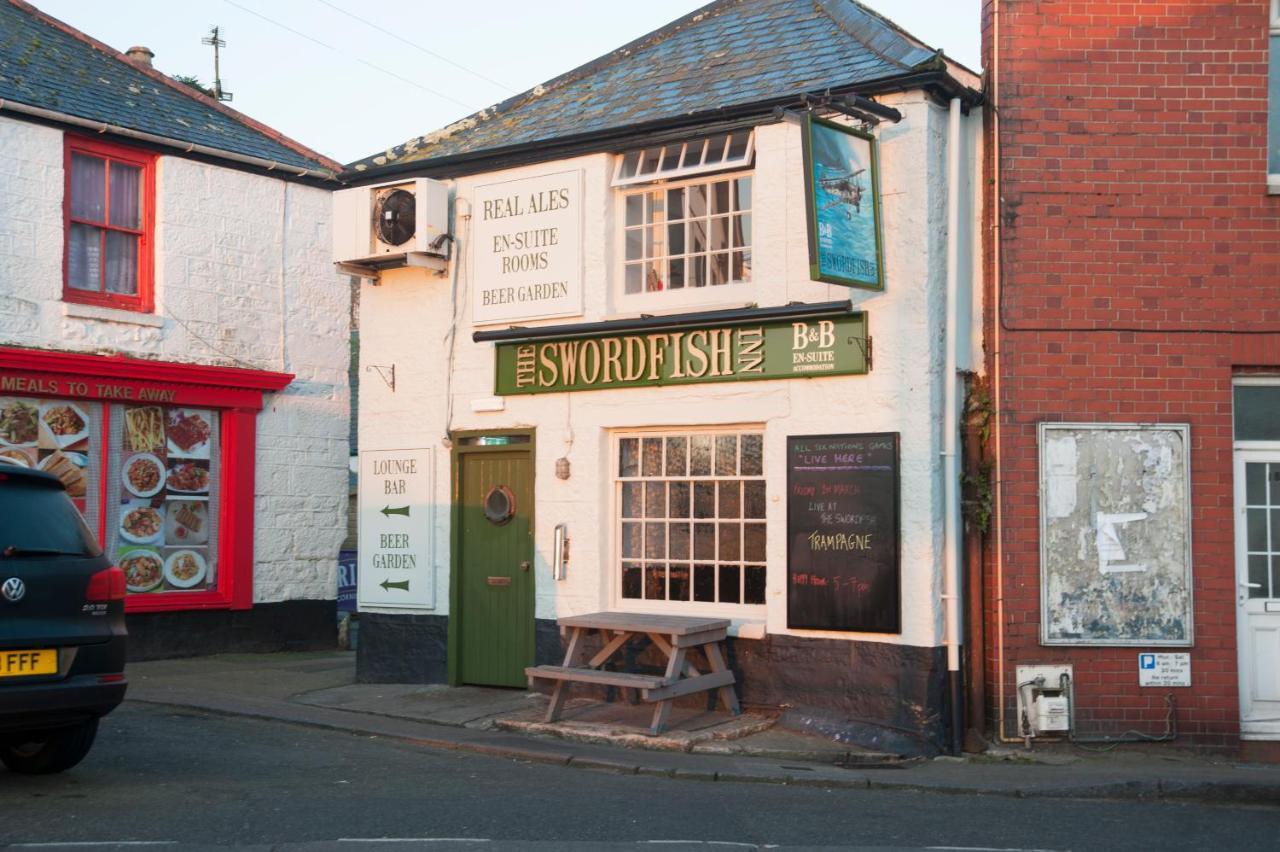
(524, 566)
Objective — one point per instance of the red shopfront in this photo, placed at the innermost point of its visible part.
(158, 456)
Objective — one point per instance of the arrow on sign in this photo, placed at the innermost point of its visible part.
(401, 584)
(387, 511)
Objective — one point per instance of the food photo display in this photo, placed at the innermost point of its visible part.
(167, 498)
(56, 436)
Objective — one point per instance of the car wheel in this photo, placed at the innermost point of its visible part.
(46, 752)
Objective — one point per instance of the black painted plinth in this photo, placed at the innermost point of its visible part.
(402, 648)
(271, 627)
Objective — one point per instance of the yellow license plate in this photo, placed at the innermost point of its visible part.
(22, 663)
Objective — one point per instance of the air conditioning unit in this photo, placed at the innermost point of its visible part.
(391, 225)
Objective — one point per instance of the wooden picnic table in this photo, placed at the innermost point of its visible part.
(674, 635)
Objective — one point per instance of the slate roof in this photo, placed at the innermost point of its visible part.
(728, 53)
(46, 63)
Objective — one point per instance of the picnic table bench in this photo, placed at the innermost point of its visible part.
(674, 635)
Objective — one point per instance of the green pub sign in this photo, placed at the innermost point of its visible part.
(777, 349)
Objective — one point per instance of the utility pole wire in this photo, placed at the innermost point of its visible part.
(416, 46)
(356, 58)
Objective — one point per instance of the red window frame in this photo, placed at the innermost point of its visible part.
(235, 393)
(144, 300)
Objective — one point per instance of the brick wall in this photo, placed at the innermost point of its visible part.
(1137, 274)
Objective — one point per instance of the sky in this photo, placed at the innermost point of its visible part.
(350, 79)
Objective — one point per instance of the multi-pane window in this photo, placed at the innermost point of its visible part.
(1262, 528)
(107, 245)
(693, 234)
(1273, 101)
(683, 159)
(691, 523)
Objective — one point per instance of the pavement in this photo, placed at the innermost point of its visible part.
(319, 689)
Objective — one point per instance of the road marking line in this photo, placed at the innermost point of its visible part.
(414, 840)
(64, 843)
(992, 849)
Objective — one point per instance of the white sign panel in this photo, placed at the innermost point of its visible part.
(396, 520)
(528, 249)
(1164, 670)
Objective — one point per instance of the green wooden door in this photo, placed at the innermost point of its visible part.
(494, 567)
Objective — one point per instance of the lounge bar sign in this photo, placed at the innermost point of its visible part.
(395, 567)
(786, 349)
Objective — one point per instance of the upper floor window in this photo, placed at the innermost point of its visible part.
(1273, 103)
(682, 159)
(108, 204)
(688, 235)
(686, 220)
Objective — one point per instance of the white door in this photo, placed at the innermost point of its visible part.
(1257, 483)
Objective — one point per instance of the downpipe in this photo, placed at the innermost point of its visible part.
(950, 438)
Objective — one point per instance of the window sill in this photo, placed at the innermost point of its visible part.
(747, 629)
(95, 312)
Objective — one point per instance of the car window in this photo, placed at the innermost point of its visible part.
(37, 515)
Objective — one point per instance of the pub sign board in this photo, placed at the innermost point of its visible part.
(843, 559)
(395, 565)
(842, 190)
(528, 249)
(785, 349)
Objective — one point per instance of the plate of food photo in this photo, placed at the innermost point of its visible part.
(186, 522)
(69, 467)
(185, 569)
(12, 455)
(66, 422)
(188, 432)
(143, 475)
(19, 423)
(140, 523)
(188, 478)
(144, 429)
(143, 569)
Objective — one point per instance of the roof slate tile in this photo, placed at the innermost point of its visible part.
(728, 53)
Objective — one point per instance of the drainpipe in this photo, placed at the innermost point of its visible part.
(997, 515)
(950, 436)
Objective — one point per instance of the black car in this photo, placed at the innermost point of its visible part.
(62, 633)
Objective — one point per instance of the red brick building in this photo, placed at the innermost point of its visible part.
(1133, 269)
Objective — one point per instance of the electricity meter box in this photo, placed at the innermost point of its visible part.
(1044, 699)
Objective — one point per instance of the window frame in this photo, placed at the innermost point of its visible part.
(235, 394)
(144, 300)
(745, 161)
(740, 612)
(667, 300)
(1273, 96)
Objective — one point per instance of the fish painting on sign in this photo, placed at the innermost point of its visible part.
(842, 184)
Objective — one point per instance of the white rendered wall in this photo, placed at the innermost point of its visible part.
(243, 279)
(405, 321)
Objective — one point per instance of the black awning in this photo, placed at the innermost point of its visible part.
(735, 316)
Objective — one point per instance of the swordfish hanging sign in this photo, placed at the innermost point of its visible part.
(777, 349)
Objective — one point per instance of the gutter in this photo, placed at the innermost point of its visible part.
(164, 141)
(938, 82)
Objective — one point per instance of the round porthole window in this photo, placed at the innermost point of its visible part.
(499, 505)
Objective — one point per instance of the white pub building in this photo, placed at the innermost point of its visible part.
(681, 332)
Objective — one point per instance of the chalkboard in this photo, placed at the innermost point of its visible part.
(842, 532)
